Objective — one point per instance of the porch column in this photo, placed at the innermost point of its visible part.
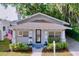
(30, 33)
(14, 35)
(63, 39)
(46, 36)
(30, 37)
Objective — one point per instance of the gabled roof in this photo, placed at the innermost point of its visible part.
(33, 25)
(51, 18)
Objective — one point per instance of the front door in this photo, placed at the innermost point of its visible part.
(38, 35)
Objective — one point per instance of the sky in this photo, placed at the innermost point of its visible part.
(8, 13)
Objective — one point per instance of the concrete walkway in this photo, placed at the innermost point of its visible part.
(37, 52)
(73, 47)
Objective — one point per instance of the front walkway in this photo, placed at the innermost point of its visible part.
(37, 52)
(73, 47)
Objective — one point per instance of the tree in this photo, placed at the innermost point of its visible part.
(67, 12)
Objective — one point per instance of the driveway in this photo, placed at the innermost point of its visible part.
(73, 47)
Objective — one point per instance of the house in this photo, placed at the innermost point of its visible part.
(37, 28)
(4, 27)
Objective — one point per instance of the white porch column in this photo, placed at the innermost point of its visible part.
(46, 36)
(30, 37)
(63, 39)
(30, 33)
(14, 37)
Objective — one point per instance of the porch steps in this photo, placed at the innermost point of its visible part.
(37, 52)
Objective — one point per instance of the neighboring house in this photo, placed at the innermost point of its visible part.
(37, 28)
(4, 27)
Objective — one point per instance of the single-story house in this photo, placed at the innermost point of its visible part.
(37, 28)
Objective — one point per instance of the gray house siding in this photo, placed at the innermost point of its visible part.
(44, 37)
(6, 24)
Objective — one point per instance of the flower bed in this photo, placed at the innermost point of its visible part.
(20, 47)
(60, 47)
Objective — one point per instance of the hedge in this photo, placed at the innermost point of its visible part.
(72, 34)
(19, 46)
(51, 39)
(59, 45)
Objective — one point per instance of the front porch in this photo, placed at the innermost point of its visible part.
(38, 33)
(37, 36)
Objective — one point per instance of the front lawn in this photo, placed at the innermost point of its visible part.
(15, 54)
(4, 45)
(18, 49)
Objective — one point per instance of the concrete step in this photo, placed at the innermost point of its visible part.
(37, 52)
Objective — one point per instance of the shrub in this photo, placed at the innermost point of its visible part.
(19, 46)
(5, 42)
(22, 46)
(59, 45)
(51, 39)
(65, 45)
(62, 45)
(50, 46)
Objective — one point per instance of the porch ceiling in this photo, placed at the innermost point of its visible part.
(33, 25)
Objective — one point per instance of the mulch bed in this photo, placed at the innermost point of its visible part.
(51, 50)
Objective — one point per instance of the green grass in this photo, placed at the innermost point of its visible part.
(4, 45)
(3, 48)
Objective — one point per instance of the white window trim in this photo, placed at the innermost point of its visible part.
(19, 34)
(22, 33)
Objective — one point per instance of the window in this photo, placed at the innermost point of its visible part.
(57, 34)
(51, 34)
(54, 36)
(20, 33)
(4, 28)
(25, 34)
